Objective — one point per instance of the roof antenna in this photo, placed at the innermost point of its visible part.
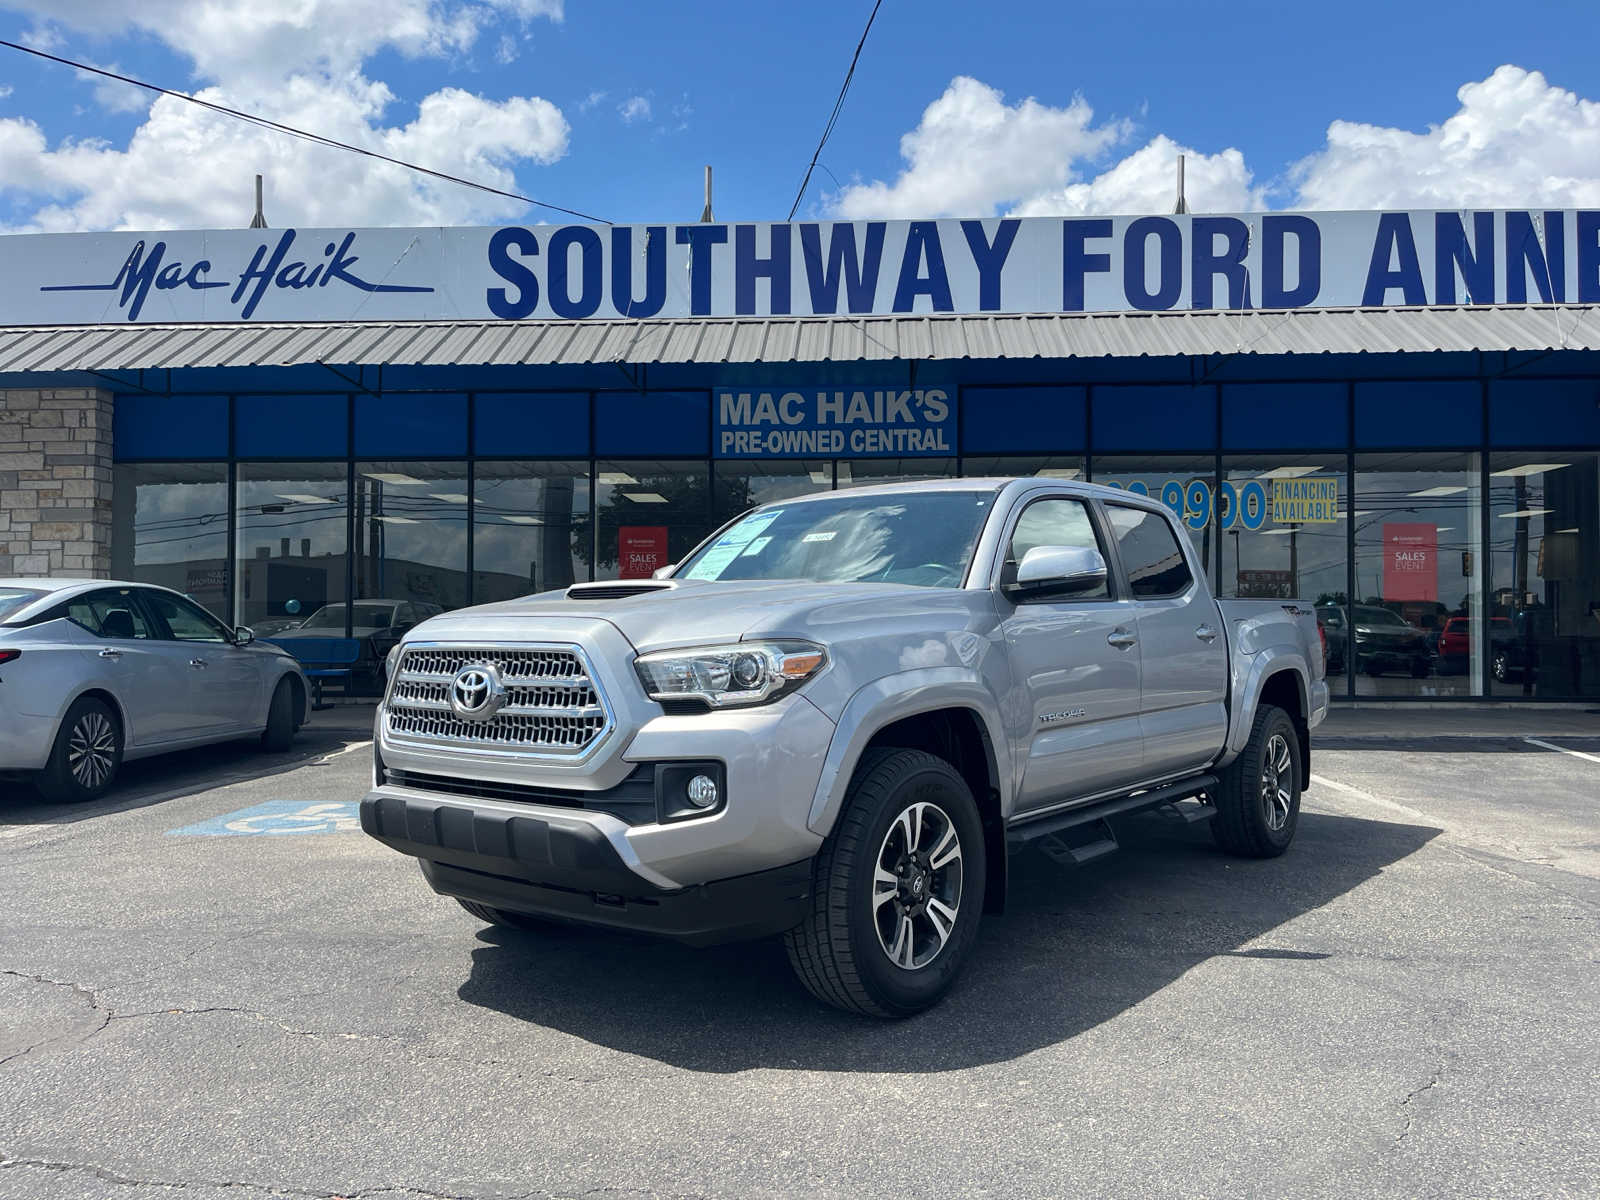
(1182, 205)
(259, 221)
(706, 217)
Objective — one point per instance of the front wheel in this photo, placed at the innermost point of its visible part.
(1258, 796)
(281, 718)
(898, 889)
(1500, 666)
(86, 754)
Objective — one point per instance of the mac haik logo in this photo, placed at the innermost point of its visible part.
(147, 269)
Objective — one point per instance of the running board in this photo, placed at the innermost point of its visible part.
(1021, 832)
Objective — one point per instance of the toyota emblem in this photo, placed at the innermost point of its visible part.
(476, 693)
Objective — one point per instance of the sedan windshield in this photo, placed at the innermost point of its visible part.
(920, 538)
(365, 616)
(1377, 616)
(15, 599)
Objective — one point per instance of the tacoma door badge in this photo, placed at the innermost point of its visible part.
(1066, 714)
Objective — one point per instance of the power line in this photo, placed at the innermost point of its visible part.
(290, 130)
(838, 106)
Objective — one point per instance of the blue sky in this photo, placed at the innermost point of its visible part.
(612, 108)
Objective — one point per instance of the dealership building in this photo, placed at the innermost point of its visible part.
(1393, 415)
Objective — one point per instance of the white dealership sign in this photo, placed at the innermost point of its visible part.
(577, 272)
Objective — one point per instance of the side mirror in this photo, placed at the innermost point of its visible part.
(1057, 571)
(243, 635)
(663, 572)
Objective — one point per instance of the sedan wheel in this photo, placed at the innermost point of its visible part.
(86, 754)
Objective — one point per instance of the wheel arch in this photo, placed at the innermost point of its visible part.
(1285, 689)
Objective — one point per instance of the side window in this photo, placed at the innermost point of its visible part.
(1054, 522)
(113, 613)
(186, 622)
(1150, 551)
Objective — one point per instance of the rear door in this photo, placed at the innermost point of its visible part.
(1077, 661)
(1184, 683)
(224, 681)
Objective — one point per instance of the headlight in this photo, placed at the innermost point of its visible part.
(391, 660)
(730, 676)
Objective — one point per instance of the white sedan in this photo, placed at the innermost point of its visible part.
(95, 672)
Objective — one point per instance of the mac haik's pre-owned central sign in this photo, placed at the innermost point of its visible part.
(578, 272)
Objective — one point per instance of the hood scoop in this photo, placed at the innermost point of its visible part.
(617, 589)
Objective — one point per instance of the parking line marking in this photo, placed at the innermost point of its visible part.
(1562, 749)
(1415, 814)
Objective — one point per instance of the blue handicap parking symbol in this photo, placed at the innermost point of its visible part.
(278, 817)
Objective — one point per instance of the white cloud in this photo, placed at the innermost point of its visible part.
(634, 108)
(972, 154)
(5, 91)
(589, 101)
(1515, 140)
(506, 51)
(300, 64)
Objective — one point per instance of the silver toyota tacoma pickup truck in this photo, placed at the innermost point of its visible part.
(835, 718)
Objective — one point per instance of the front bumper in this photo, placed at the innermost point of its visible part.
(576, 868)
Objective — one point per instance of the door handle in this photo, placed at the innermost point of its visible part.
(1121, 639)
(1206, 634)
(110, 653)
(197, 662)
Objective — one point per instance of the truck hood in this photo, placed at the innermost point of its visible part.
(692, 612)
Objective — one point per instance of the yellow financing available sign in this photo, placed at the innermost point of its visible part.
(1311, 500)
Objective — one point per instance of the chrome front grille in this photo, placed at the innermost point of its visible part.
(552, 706)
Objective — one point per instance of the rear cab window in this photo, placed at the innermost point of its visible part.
(1155, 562)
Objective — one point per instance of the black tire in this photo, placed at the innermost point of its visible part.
(86, 756)
(1500, 665)
(1242, 825)
(503, 917)
(839, 951)
(282, 720)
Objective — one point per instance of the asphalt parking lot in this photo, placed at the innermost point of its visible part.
(212, 984)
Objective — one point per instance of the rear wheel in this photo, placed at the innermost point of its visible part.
(898, 889)
(86, 754)
(1500, 665)
(281, 718)
(1258, 796)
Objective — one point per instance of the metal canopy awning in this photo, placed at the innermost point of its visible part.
(801, 339)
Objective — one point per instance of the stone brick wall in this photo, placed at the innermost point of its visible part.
(55, 482)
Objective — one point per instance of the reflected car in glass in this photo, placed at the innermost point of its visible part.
(97, 672)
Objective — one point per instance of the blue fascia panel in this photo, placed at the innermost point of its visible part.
(411, 425)
(297, 426)
(1140, 419)
(1419, 413)
(531, 425)
(652, 424)
(1544, 412)
(1022, 420)
(1285, 416)
(169, 427)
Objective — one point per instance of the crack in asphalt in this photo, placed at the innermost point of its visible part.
(76, 989)
(1405, 1105)
(105, 1175)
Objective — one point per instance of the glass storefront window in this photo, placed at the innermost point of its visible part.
(648, 514)
(1544, 601)
(745, 484)
(528, 522)
(290, 544)
(410, 537)
(1281, 519)
(1057, 466)
(863, 472)
(1186, 483)
(1415, 626)
(170, 527)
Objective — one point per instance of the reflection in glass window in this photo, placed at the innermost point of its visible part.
(1544, 541)
(1054, 466)
(170, 527)
(291, 542)
(531, 528)
(864, 472)
(743, 485)
(1151, 556)
(410, 522)
(1184, 483)
(650, 514)
(1418, 553)
(1282, 523)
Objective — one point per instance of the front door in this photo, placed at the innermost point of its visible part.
(1184, 686)
(1077, 661)
(127, 659)
(224, 680)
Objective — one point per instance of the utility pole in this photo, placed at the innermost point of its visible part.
(1183, 205)
(705, 215)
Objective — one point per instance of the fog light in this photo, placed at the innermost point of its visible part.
(702, 791)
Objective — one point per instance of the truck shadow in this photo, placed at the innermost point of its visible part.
(1073, 950)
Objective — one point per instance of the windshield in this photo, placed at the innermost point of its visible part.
(365, 616)
(924, 539)
(14, 599)
(1377, 616)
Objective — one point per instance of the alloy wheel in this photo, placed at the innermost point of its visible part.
(916, 888)
(91, 750)
(1277, 783)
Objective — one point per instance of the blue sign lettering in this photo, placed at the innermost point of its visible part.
(922, 242)
(1275, 293)
(859, 273)
(829, 422)
(1394, 237)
